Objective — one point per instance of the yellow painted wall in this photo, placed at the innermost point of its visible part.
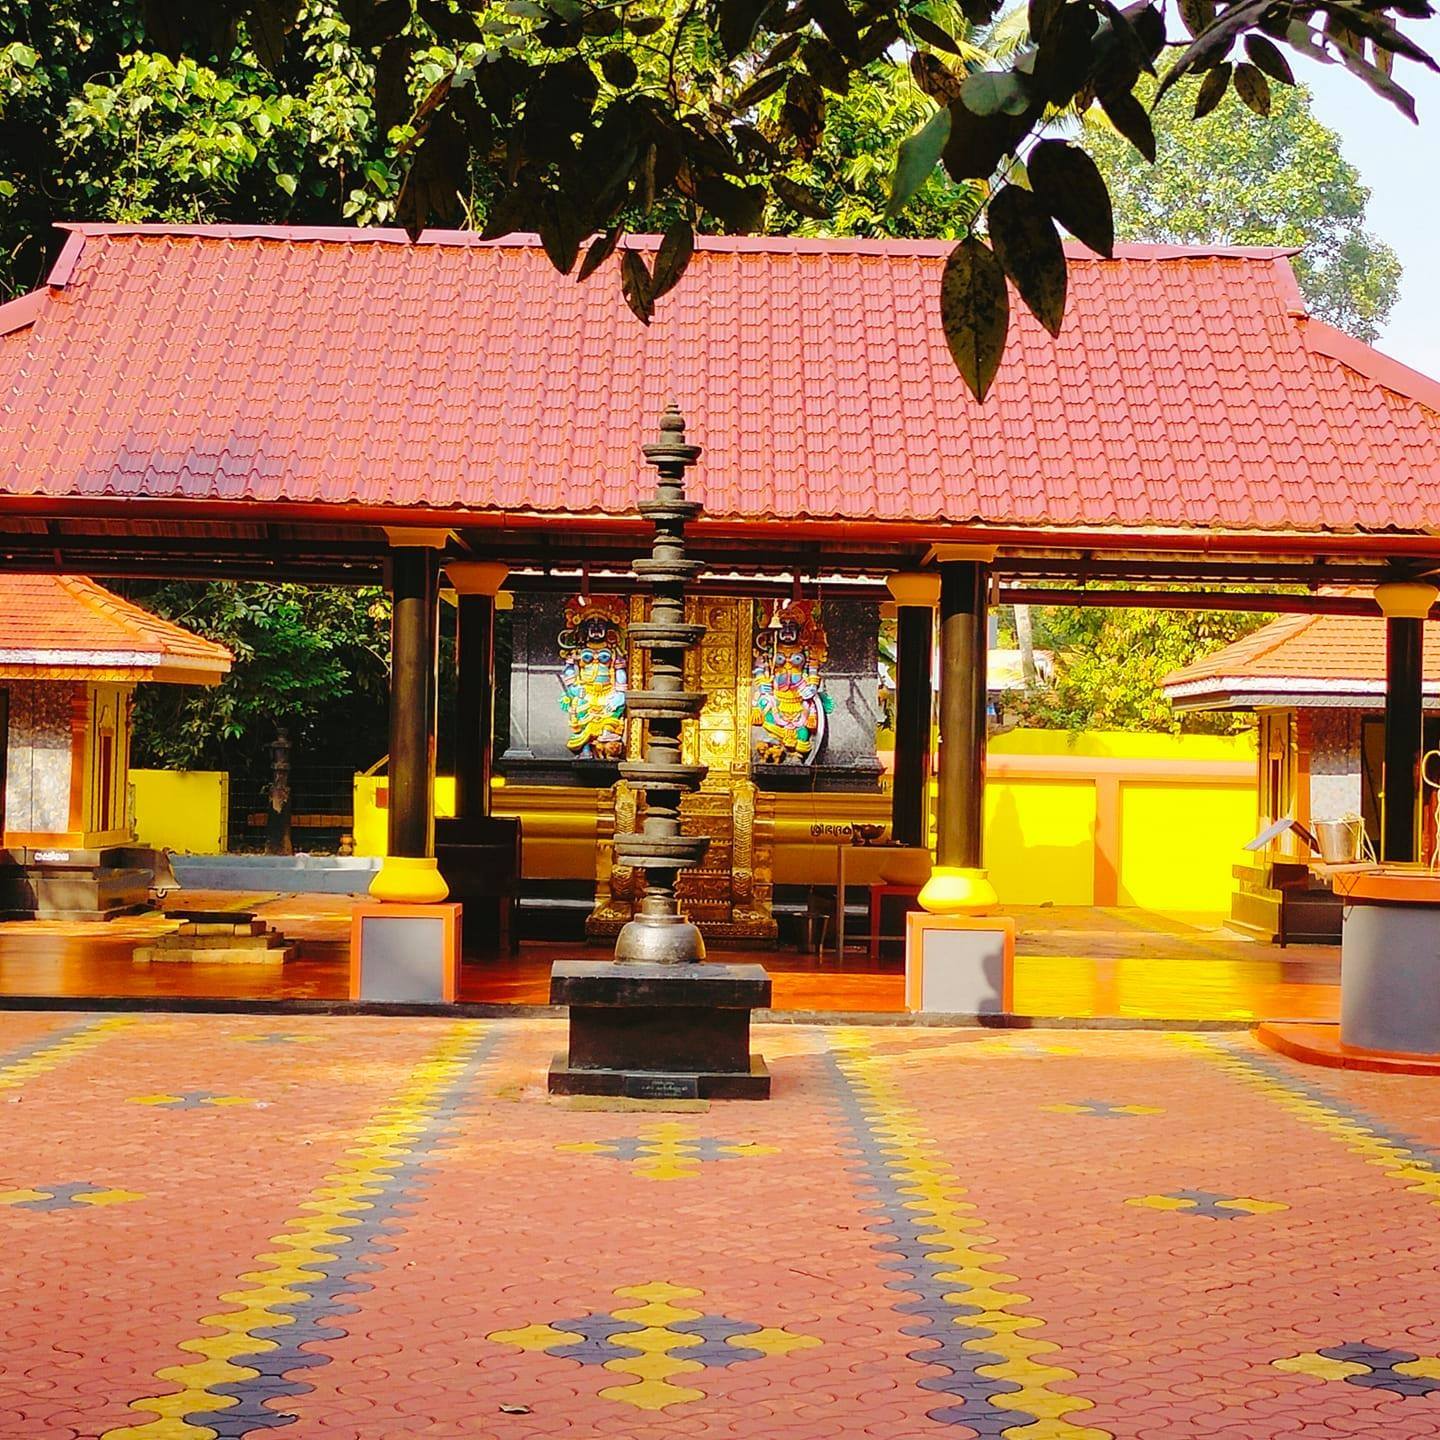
(370, 820)
(1179, 842)
(183, 810)
(1177, 839)
(1040, 841)
(1126, 744)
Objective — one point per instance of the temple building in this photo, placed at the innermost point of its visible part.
(339, 406)
(71, 655)
(1316, 685)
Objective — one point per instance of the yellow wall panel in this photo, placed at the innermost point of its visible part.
(1040, 841)
(183, 810)
(1179, 842)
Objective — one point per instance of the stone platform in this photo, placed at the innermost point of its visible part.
(221, 936)
(660, 1031)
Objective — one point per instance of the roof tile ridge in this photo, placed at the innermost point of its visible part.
(114, 608)
(1286, 628)
(1380, 369)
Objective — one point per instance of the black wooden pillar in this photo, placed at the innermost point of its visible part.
(414, 589)
(409, 872)
(915, 596)
(477, 584)
(1405, 605)
(474, 703)
(960, 814)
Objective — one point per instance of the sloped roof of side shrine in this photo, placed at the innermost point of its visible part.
(1298, 660)
(66, 627)
(193, 366)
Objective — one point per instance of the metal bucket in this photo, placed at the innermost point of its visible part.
(1341, 841)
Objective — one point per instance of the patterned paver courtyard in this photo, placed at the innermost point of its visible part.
(382, 1227)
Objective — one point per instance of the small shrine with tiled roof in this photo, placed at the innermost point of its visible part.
(71, 654)
(1316, 684)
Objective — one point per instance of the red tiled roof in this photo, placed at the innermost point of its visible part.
(216, 364)
(1322, 657)
(68, 627)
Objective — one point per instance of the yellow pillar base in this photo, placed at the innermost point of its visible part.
(958, 890)
(409, 880)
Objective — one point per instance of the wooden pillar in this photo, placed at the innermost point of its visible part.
(958, 882)
(477, 583)
(409, 873)
(1405, 604)
(915, 596)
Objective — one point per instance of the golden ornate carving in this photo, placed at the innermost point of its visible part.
(729, 895)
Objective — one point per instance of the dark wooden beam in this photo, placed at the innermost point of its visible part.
(413, 653)
(915, 634)
(960, 812)
(1404, 711)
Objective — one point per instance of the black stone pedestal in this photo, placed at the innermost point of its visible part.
(650, 1032)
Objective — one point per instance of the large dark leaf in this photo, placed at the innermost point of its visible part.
(932, 34)
(602, 247)
(1195, 15)
(392, 91)
(781, 51)
(760, 88)
(561, 232)
(1067, 182)
(837, 24)
(739, 208)
(935, 77)
(1380, 82)
(1130, 118)
(619, 69)
(1042, 14)
(1213, 43)
(635, 285)
(738, 20)
(1064, 58)
(1253, 88)
(825, 63)
(798, 198)
(803, 113)
(1212, 89)
(432, 187)
(1361, 21)
(978, 143)
(673, 258)
(917, 158)
(1266, 56)
(1148, 26)
(373, 22)
(1028, 246)
(267, 22)
(975, 313)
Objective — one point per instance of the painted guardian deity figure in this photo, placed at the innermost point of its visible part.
(593, 678)
(789, 705)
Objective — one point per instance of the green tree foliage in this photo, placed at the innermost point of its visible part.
(97, 122)
(1235, 178)
(311, 660)
(1109, 665)
(581, 119)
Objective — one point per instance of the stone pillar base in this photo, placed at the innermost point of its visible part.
(405, 954)
(409, 880)
(958, 890)
(651, 1032)
(959, 964)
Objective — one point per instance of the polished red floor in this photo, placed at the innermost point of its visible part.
(1072, 962)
